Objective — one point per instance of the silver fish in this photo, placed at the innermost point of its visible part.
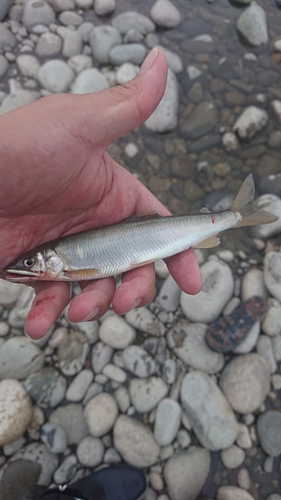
(114, 249)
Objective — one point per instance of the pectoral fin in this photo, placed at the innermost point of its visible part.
(211, 242)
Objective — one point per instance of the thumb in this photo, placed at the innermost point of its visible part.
(112, 113)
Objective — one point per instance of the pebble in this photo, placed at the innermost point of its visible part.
(54, 437)
(3, 66)
(15, 410)
(212, 419)
(72, 353)
(252, 25)
(243, 479)
(55, 75)
(253, 285)
(89, 80)
(115, 373)
(10, 449)
(276, 381)
(269, 427)
(4, 8)
(78, 63)
(167, 421)
(9, 293)
(265, 349)
(72, 44)
(101, 356)
(135, 442)
(71, 418)
(19, 357)
(188, 342)
(145, 394)
(156, 481)
(233, 493)
(111, 456)
(165, 14)
(217, 290)
(125, 73)
(276, 106)
(133, 20)
(230, 141)
(46, 387)
(28, 65)
(272, 203)
(232, 457)
(102, 40)
(39, 453)
(272, 273)
(144, 320)
(69, 18)
(250, 122)
(115, 332)
(174, 61)
(245, 382)
(90, 451)
(100, 413)
(165, 117)
(17, 98)
(187, 471)
(79, 386)
(228, 332)
(123, 398)
(49, 44)
(130, 52)
(138, 361)
(169, 295)
(34, 13)
(243, 439)
(201, 121)
(66, 470)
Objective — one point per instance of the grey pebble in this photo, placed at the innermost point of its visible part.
(66, 470)
(138, 361)
(46, 387)
(34, 13)
(54, 437)
(79, 386)
(37, 452)
(90, 451)
(19, 357)
(269, 432)
(131, 52)
(71, 418)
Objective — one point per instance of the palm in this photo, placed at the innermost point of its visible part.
(60, 180)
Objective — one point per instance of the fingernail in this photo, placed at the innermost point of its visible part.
(149, 60)
(94, 312)
(134, 305)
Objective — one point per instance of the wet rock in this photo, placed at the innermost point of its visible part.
(212, 419)
(104, 7)
(55, 75)
(38, 453)
(188, 342)
(167, 421)
(102, 40)
(250, 341)
(35, 12)
(217, 290)
(276, 106)
(15, 411)
(54, 437)
(133, 20)
(100, 413)
(228, 332)
(115, 332)
(135, 442)
(271, 184)
(165, 14)
(71, 418)
(250, 122)
(245, 382)
(89, 80)
(147, 393)
(19, 357)
(272, 274)
(72, 353)
(252, 25)
(46, 387)
(138, 361)
(165, 117)
(90, 451)
(272, 204)
(187, 471)
(202, 120)
(130, 52)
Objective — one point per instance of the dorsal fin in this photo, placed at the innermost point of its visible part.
(204, 210)
(142, 216)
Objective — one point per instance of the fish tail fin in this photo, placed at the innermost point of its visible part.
(243, 204)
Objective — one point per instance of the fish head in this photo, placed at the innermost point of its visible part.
(39, 265)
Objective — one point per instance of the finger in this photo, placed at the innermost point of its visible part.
(93, 301)
(51, 299)
(186, 272)
(136, 289)
(115, 112)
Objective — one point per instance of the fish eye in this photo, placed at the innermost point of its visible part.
(29, 262)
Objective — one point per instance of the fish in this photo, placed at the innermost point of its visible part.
(141, 239)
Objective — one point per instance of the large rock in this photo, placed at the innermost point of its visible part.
(186, 472)
(135, 442)
(15, 411)
(252, 25)
(212, 419)
(250, 122)
(165, 117)
(217, 290)
(245, 382)
(19, 357)
(269, 432)
(201, 121)
(4, 7)
(37, 12)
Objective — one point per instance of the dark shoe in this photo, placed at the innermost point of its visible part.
(118, 482)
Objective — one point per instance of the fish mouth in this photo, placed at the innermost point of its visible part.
(20, 275)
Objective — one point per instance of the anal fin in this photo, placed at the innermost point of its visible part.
(211, 242)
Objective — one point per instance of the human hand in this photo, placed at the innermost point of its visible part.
(57, 178)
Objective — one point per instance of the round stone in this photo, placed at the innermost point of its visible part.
(165, 14)
(15, 411)
(115, 332)
(147, 393)
(245, 382)
(90, 451)
(89, 80)
(269, 432)
(71, 418)
(28, 65)
(54, 437)
(138, 361)
(167, 421)
(55, 75)
(232, 457)
(100, 413)
(35, 12)
(48, 44)
(272, 273)
(233, 493)
(19, 357)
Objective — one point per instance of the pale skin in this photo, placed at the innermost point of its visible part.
(57, 178)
